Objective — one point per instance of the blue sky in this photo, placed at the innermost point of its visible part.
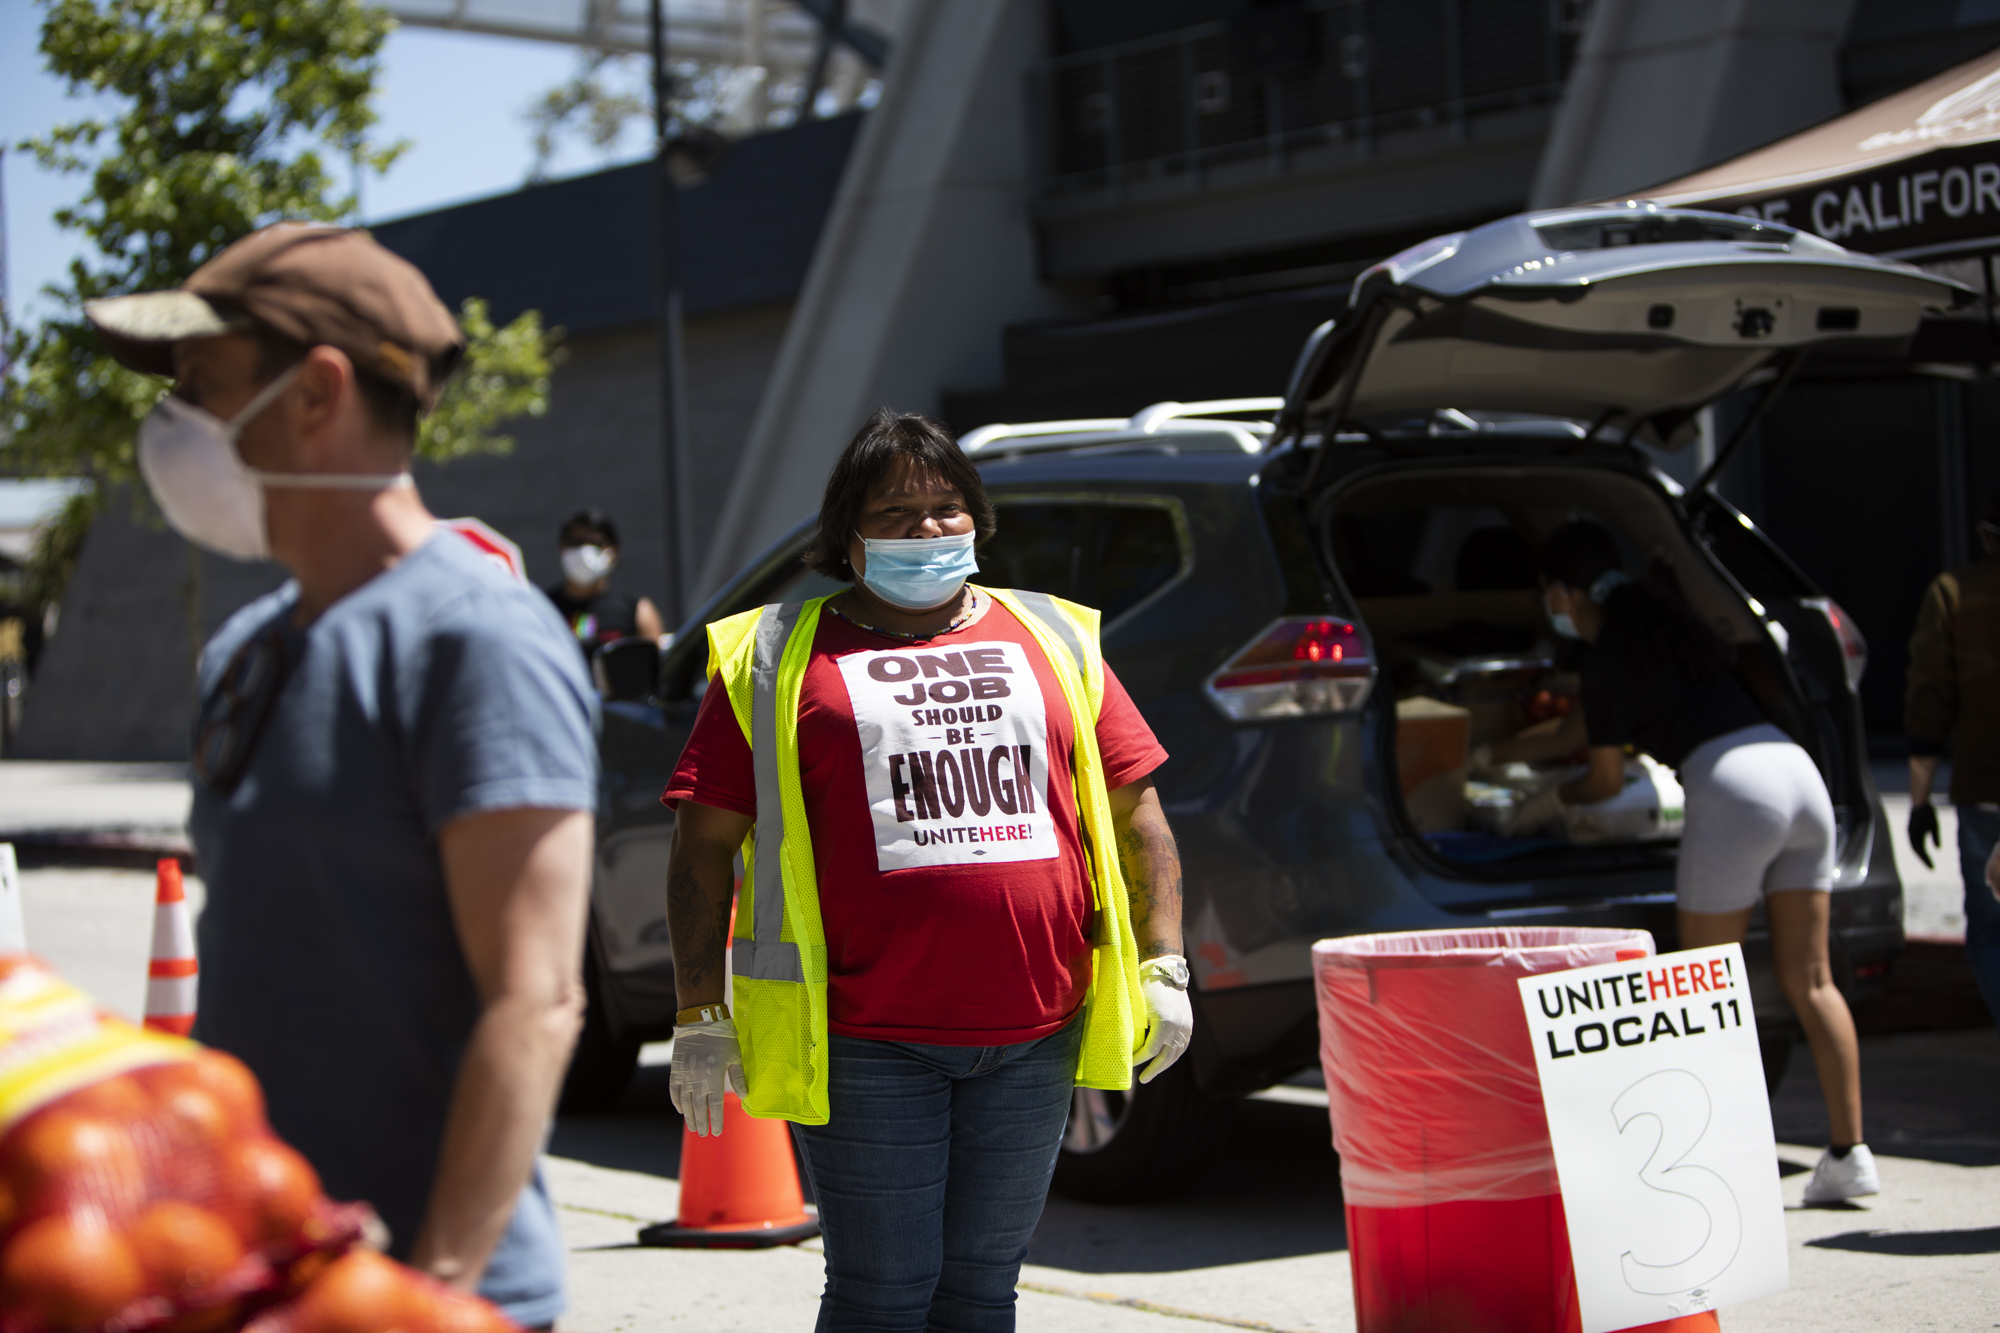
(458, 97)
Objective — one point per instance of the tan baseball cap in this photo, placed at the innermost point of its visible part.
(312, 284)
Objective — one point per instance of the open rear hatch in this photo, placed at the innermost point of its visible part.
(1630, 318)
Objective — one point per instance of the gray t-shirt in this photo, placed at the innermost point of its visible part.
(329, 962)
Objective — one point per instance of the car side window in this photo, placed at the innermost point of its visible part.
(1139, 552)
(1040, 547)
(1110, 556)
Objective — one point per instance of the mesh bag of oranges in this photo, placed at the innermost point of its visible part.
(141, 1188)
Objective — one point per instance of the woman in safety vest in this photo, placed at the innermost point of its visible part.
(960, 897)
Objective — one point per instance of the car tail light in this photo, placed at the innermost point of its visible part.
(1853, 647)
(1302, 666)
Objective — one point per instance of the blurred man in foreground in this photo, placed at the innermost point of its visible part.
(1954, 690)
(393, 756)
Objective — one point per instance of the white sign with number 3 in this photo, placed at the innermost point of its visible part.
(1662, 1133)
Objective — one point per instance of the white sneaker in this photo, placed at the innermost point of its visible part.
(1838, 1178)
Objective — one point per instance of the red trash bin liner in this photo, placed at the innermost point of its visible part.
(1454, 1214)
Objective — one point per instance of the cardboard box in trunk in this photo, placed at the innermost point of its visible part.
(1431, 743)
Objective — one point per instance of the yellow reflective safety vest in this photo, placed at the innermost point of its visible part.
(778, 953)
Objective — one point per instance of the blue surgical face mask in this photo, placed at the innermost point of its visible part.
(918, 573)
(1606, 584)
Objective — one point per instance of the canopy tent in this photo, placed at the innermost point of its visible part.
(1915, 175)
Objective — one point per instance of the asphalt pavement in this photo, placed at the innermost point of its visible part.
(1259, 1243)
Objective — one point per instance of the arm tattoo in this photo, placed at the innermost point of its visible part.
(698, 924)
(1152, 866)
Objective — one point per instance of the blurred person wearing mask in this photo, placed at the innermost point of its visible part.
(961, 899)
(597, 613)
(1954, 691)
(393, 755)
(1759, 820)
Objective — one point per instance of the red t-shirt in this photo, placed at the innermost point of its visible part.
(952, 882)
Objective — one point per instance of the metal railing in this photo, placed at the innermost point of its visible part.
(1282, 79)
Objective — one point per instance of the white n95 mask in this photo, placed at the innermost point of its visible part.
(188, 457)
(585, 565)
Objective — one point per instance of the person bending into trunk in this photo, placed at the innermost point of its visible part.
(960, 898)
(1759, 820)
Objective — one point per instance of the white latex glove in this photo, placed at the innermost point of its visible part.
(1543, 810)
(1171, 1018)
(707, 1063)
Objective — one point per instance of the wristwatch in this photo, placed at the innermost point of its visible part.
(1173, 970)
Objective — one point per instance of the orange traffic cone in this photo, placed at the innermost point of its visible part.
(739, 1188)
(170, 983)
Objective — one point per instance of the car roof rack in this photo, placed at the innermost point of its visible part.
(1215, 416)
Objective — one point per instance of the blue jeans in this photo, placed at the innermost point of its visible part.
(525, 1275)
(931, 1173)
(1978, 830)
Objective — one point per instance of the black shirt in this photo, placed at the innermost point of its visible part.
(1634, 695)
(595, 621)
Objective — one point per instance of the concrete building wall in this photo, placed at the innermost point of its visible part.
(928, 252)
(597, 446)
(729, 358)
(116, 682)
(1413, 178)
(1663, 89)
(583, 252)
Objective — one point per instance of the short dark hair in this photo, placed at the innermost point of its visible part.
(1579, 554)
(590, 516)
(1651, 609)
(888, 438)
(390, 406)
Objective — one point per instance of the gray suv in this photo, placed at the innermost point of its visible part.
(1323, 602)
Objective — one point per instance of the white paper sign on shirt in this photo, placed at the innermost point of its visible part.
(1655, 1096)
(954, 747)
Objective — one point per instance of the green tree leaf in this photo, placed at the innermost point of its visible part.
(505, 375)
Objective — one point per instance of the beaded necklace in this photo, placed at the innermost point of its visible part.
(958, 622)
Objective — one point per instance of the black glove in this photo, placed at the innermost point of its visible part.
(1923, 824)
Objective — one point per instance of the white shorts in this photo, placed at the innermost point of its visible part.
(1758, 819)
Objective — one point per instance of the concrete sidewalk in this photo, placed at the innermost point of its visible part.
(1260, 1243)
(1923, 1256)
(134, 807)
(1933, 895)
